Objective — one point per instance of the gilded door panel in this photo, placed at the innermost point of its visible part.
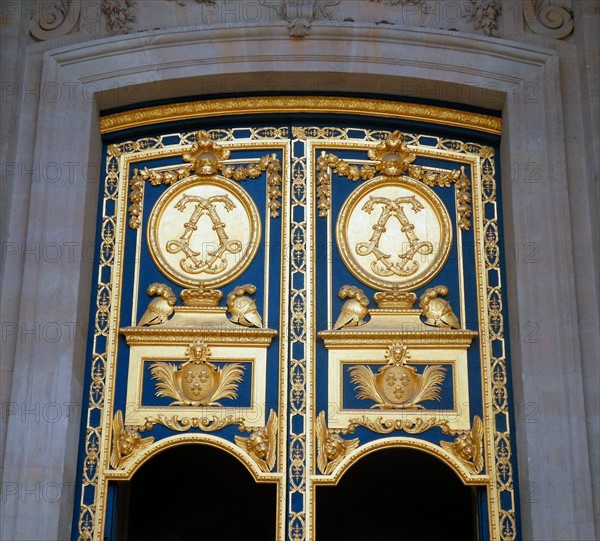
(190, 340)
(402, 303)
(299, 295)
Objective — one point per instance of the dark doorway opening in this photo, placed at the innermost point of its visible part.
(396, 495)
(195, 492)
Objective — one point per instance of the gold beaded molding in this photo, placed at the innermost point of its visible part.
(299, 104)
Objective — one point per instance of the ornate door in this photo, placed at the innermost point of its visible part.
(299, 292)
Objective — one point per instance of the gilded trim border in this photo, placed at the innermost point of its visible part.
(299, 104)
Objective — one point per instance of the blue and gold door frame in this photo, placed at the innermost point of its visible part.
(299, 282)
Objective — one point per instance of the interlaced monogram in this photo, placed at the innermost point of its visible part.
(214, 262)
(406, 265)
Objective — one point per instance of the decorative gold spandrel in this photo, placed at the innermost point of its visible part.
(468, 446)
(262, 443)
(331, 447)
(394, 234)
(397, 385)
(197, 382)
(354, 310)
(126, 442)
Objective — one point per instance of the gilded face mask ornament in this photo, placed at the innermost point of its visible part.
(243, 308)
(467, 447)
(262, 443)
(259, 443)
(392, 157)
(205, 155)
(125, 442)
(437, 311)
(331, 447)
(334, 446)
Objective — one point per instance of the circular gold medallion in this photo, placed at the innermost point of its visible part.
(204, 231)
(394, 233)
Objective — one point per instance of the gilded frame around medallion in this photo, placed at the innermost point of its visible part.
(350, 213)
(297, 311)
(245, 211)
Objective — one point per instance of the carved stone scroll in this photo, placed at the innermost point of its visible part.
(548, 20)
(55, 19)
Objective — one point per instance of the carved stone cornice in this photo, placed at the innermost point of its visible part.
(546, 18)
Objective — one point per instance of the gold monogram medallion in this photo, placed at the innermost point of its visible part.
(394, 233)
(204, 231)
